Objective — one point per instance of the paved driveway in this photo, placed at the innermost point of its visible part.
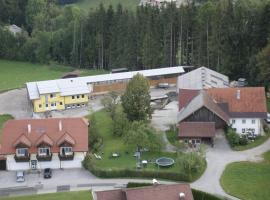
(218, 157)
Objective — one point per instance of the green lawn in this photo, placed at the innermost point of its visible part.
(126, 161)
(80, 195)
(16, 74)
(3, 119)
(248, 180)
(93, 4)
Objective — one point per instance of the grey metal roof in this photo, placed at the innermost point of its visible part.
(202, 99)
(73, 86)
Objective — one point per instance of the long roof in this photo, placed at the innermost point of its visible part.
(73, 130)
(157, 192)
(73, 86)
(196, 129)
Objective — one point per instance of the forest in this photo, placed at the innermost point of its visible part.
(230, 36)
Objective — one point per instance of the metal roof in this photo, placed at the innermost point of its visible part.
(73, 86)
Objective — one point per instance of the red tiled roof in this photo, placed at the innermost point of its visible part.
(44, 139)
(196, 129)
(14, 129)
(22, 140)
(185, 96)
(66, 138)
(252, 99)
(157, 192)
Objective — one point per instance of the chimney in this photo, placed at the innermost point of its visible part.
(60, 125)
(182, 196)
(238, 94)
(29, 128)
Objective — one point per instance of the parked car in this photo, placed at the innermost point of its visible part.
(268, 118)
(20, 176)
(47, 173)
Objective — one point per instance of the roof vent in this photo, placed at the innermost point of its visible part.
(182, 195)
(238, 94)
(60, 125)
(155, 182)
(29, 128)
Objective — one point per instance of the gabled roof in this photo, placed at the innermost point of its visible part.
(44, 139)
(251, 99)
(66, 138)
(51, 131)
(22, 140)
(196, 129)
(199, 101)
(156, 192)
(185, 96)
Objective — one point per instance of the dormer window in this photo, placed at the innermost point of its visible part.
(22, 152)
(44, 151)
(66, 151)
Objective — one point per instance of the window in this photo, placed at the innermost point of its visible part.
(243, 130)
(82, 95)
(233, 121)
(39, 105)
(52, 95)
(78, 96)
(61, 103)
(198, 141)
(243, 121)
(22, 152)
(66, 150)
(253, 121)
(53, 104)
(73, 97)
(234, 129)
(47, 105)
(44, 151)
(186, 141)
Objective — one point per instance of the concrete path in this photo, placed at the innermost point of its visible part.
(218, 157)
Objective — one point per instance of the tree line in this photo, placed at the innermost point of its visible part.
(225, 35)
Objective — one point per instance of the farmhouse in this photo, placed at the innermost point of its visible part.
(44, 143)
(74, 92)
(201, 112)
(202, 78)
(157, 192)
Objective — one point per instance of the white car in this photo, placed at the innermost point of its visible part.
(268, 118)
(20, 176)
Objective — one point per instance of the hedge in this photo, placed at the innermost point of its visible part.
(131, 173)
(136, 184)
(200, 195)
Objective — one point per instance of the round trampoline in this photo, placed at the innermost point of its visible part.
(165, 162)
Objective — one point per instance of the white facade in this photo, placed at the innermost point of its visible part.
(202, 78)
(246, 125)
(55, 163)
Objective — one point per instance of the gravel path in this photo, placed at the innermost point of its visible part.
(218, 157)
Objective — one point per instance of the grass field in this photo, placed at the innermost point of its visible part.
(16, 74)
(126, 160)
(81, 195)
(89, 5)
(3, 119)
(248, 180)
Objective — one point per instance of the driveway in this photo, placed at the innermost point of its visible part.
(218, 157)
(15, 103)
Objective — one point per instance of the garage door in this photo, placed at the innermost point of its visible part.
(3, 165)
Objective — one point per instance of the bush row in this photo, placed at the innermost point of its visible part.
(200, 195)
(88, 164)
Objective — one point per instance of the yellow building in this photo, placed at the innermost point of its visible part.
(58, 94)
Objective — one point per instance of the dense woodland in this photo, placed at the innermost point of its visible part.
(230, 36)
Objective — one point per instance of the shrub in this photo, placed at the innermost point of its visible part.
(232, 137)
(243, 140)
(200, 195)
(135, 184)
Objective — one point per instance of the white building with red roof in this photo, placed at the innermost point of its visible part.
(44, 143)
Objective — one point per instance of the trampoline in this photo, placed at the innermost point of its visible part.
(164, 162)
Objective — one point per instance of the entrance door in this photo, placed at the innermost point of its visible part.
(33, 164)
(3, 165)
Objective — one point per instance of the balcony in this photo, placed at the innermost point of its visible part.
(22, 158)
(64, 157)
(47, 157)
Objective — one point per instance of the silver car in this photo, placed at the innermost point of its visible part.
(20, 176)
